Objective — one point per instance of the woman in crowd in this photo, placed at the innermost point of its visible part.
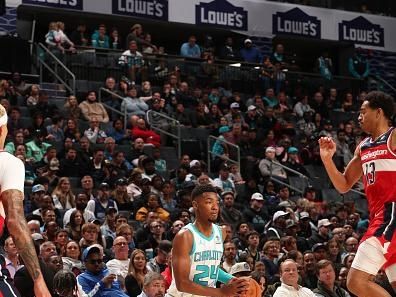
(62, 195)
(71, 130)
(136, 272)
(61, 238)
(71, 108)
(33, 95)
(152, 203)
(75, 225)
(71, 257)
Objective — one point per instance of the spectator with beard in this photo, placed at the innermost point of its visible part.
(229, 257)
(256, 213)
(71, 165)
(90, 108)
(229, 214)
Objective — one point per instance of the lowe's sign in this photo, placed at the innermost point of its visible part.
(221, 13)
(68, 4)
(361, 31)
(153, 9)
(296, 22)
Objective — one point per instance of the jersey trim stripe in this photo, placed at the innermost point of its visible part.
(202, 235)
(388, 143)
(391, 224)
(382, 165)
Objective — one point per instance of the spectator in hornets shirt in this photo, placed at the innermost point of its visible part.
(12, 176)
(374, 160)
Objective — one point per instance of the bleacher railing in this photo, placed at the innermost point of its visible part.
(46, 60)
(303, 177)
(234, 153)
(159, 127)
(123, 114)
(97, 64)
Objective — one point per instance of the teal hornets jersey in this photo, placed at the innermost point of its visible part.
(205, 258)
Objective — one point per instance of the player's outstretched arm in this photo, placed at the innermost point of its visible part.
(343, 182)
(17, 226)
(181, 265)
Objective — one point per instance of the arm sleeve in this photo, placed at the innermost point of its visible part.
(183, 51)
(223, 276)
(12, 175)
(88, 292)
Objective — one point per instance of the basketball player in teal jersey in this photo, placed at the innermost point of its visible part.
(197, 252)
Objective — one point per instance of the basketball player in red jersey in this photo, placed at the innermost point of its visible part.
(12, 178)
(375, 160)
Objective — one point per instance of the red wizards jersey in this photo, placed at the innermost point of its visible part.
(379, 178)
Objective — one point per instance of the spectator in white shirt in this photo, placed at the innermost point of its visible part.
(289, 280)
(119, 265)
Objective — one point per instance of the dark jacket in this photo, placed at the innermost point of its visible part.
(321, 290)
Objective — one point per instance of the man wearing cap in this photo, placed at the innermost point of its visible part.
(268, 166)
(224, 182)
(278, 227)
(234, 111)
(293, 161)
(320, 251)
(252, 118)
(38, 192)
(249, 53)
(160, 261)
(228, 213)
(103, 201)
(97, 280)
(322, 236)
(257, 213)
(220, 148)
(240, 269)
(12, 188)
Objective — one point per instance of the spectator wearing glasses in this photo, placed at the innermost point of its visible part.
(97, 279)
(155, 236)
(120, 262)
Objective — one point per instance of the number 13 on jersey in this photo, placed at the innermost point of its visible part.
(369, 172)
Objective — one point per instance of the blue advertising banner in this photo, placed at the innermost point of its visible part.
(64, 4)
(361, 31)
(221, 13)
(152, 9)
(296, 22)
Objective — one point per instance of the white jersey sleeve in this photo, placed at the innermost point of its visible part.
(12, 172)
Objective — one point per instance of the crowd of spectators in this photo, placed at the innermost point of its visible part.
(102, 202)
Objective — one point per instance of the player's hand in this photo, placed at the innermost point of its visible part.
(235, 287)
(327, 148)
(40, 289)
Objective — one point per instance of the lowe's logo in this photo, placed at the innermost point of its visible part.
(361, 31)
(153, 9)
(220, 13)
(70, 4)
(296, 22)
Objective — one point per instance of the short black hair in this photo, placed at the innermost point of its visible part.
(200, 189)
(378, 99)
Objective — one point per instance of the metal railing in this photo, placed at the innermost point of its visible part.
(124, 114)
(299, 174)
(47, 60)
(97, 64)
(385, 82)
(211, 141)
(151, 114)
